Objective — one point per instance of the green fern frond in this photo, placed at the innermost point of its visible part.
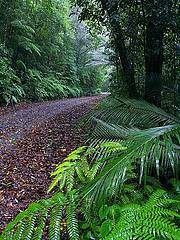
(28, 45)
(157, 200)
(41, 221)
(72, 222)
(65, 172)
(19, 231)
(30, 223)
(22, 27)
(75, 163)
(55, 222)
(70, 181)
(145, 222)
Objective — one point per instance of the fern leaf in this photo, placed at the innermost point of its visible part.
(72, 222)
(55, 223)
(41, 221)
(30, 227)
(19, 231)
(145, 222)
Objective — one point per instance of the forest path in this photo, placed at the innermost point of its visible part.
(32, 141)
(15, 125)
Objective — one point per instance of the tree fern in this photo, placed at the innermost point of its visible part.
(150, 221)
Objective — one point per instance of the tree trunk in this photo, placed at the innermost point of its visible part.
(127, 67)
(153, 63)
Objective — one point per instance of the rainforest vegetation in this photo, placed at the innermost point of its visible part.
(124, 181)
(46, 53)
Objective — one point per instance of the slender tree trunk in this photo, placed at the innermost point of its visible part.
(112, 10)
(153, 63)
(127, 65)
(157, 22)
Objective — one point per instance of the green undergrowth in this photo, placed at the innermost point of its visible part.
(123, 185)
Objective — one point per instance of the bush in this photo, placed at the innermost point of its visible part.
(39, 88)
(10, 84)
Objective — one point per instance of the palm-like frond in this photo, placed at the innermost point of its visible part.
(151, 221)
(129, 122)
(153, 148)
(130, 112)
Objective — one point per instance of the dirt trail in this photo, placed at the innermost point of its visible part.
(16, 125)
(32, 141)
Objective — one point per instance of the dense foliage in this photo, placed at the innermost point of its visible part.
(125, 183)
(103, 188)
(144, 37)
(42, 54)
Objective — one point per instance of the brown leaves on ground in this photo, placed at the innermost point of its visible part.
(25, 167)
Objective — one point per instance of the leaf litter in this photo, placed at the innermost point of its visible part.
(32, 141)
